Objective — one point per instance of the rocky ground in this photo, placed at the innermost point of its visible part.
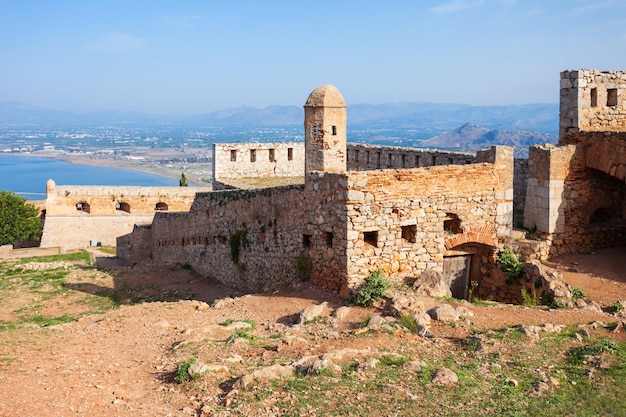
(125, 360)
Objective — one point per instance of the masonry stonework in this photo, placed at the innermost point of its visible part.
(348, 219)
(78, 216)
(576, 190)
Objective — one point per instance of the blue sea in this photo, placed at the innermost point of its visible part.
(27, 175)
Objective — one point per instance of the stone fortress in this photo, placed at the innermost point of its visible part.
(78, 216)
(364, 208)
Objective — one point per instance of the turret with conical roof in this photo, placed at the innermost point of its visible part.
(325, 130)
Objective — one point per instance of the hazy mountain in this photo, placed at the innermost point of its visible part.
(441, 117)
(471, 137)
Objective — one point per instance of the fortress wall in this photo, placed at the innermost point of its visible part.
(592, 100)
(404, 221)
(362, 157)
(577, 208)
(248, 239)
(243, 160)
(77, 231)
(62, 199)
(136, 246)
(78, 214)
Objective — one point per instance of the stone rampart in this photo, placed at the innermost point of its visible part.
(362, 157)
(78, 216)
(243, 160)
(592, 100)
(248, 239)
(234, 160)
(403, 221)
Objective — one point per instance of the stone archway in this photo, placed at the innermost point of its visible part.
(464, 266)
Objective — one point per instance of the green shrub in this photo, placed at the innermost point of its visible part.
(530, 299)
(577, 355)
(182, 371)
(617, 307)
(510, 266)
(577, 293)
(373, 289)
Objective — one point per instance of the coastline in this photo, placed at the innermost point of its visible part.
(198, 174)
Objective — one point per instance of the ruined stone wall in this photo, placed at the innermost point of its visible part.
(592, 100)
(77, 215)
(362, 157)
(107, 200)
(136, 246)
(404, 221)
(243, 160)
(81, 230)
(248, 239)
(576, 208)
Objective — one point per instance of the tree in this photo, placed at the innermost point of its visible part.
(183, 180)
(18, 219)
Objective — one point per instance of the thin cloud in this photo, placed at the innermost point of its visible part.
(592, 7)
(117, 43)
(180, 22)
(456, 6)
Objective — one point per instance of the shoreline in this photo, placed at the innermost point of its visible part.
(173, 172)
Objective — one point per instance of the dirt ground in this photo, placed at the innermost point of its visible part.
(122, 362)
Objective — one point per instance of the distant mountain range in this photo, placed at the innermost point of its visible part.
(437, 116)
(471, 138)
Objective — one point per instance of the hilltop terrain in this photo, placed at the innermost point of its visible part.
(115, 340)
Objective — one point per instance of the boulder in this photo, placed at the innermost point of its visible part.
(444, 312)
(431, 284)
(445, 377)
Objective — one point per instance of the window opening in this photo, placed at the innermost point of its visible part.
(403, 161)
(334, 130)
(417, 160)
(160, 206)
(452, 223)
(306, 241)
(252, 155)
(390, 160)
(233, 155)
(83, 206)
(409, 233)
(611, 97)
(272, 155)
(122, 206)
(328, 238)
(315, 130)
(371, 238)
(290, 154)
(594, 97)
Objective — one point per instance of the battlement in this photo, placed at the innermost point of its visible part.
(592, 101)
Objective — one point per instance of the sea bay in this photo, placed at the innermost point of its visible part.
(27, 175)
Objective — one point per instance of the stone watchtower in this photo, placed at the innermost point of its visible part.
(592, 101)
(325, 131)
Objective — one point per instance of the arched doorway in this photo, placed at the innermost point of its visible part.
(464, 265)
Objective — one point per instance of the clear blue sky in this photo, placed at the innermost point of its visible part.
(196, 56)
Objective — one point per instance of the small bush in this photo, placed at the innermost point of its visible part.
(373, 289)
(617, 307)
(577, 294)
(408, 322)
(182, 371)
(511, 266)
(578, 354)
(530, 299)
